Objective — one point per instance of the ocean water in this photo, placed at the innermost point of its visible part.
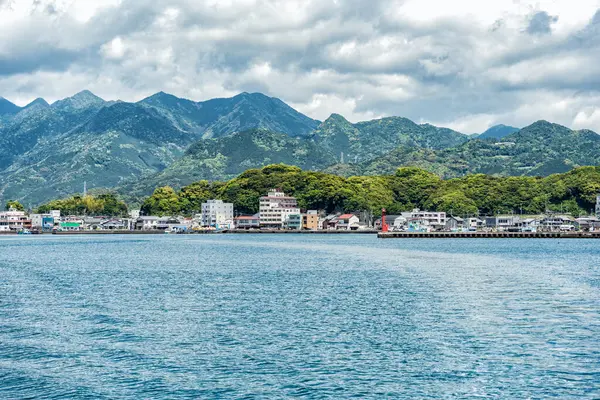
(298, 316)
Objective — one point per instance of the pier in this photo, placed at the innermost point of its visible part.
(489, 235)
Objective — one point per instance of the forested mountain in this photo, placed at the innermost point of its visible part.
(226, 157)
(220, 117)
(8, 108)
(366, 140)
(498, 132)
(540, 149)
(51, 150)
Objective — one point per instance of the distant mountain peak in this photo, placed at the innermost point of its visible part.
(337, 118)
(7, 107)
(161, 97)
(83, 99)
(39, 102)
(86, 94)
(498, 132)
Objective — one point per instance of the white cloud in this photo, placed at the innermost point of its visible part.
(466, 64)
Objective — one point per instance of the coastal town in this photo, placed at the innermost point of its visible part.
(280, 212)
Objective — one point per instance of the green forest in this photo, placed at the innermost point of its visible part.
(409, 187)
(106, 204)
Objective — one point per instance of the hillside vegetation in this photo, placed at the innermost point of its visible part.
(407, 188)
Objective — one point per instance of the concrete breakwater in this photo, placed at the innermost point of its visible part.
(489, 235)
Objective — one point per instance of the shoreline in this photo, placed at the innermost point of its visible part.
(380, 235)
(227, 232)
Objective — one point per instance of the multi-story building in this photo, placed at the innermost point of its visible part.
(435, 220)
(310, 220)
(13, 220)
(216, 213)
(146, 223)
(44, 221)
(598, 206)
(502, 222)
(275, 209)
(293, 222)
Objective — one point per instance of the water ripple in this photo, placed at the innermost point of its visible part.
(310, 317)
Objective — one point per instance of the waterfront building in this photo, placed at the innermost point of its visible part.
(247, 222)
(475, 223)
(347, 222)
(589, 224)
(275, 208)
(310, 220)
(216, 213)
(114, 224)
(44, 222)
(70, 226)
(434, 220)
(559, 223)
(173, 224)
(454, 223)
(329, 222)
(503, 222)
(14, 220)
(92, 223)
(146, 223)
(293, 222)
(598, 206)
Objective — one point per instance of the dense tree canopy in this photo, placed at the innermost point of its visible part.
(408, 188)
(106, 204)
(14, 205)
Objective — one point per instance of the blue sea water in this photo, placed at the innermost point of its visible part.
(308, 316)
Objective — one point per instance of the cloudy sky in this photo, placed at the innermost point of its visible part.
(466, 64)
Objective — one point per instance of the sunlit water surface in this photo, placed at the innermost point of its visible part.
(275, 316)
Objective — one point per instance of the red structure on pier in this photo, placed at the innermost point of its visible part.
(384, 225)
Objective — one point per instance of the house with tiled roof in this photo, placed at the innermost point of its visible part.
(347, 222)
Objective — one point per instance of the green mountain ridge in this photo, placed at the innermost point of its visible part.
(49, 151)
(539, 149)
(366, 140)
(220, 117)
(226, 157)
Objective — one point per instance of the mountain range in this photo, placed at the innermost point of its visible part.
(50, 150)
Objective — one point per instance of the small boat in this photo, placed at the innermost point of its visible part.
(24, 232)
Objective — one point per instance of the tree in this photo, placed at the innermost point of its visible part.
(15, 205)
(103, 204)
(452, 202)
(164, 201)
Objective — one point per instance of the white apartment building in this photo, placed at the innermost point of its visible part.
(13, 220)
(216, 213)
(598, 206)
(275, 209)
(436, 220)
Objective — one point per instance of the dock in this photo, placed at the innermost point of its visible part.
(489, 235)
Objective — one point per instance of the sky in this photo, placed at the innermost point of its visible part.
(464, 64)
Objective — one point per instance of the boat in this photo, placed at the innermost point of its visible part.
(24, 232)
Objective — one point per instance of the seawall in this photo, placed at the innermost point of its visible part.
(489, 235)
